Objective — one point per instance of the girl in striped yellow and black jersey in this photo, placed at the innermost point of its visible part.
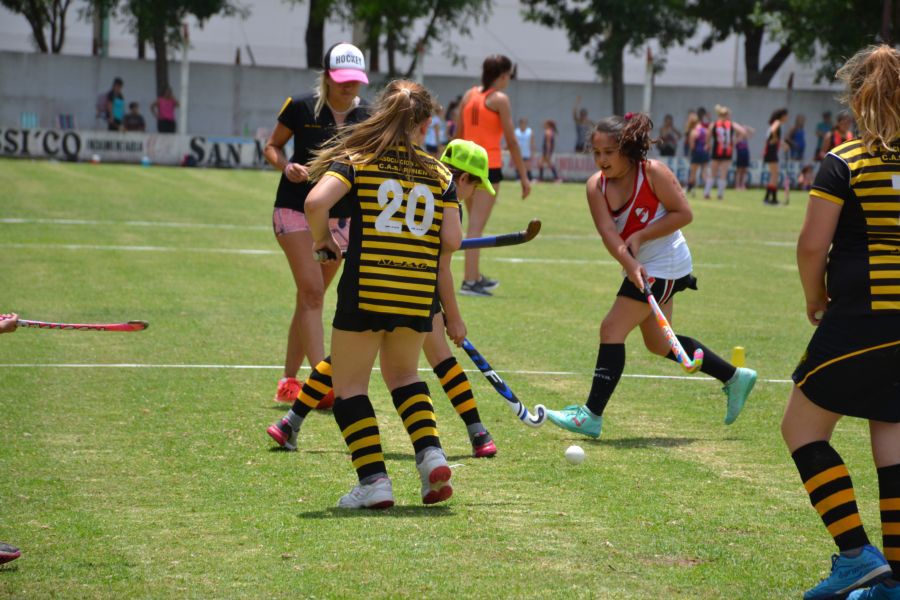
(848, 256)
(404, 215)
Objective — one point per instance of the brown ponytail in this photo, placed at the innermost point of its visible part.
(872, 78)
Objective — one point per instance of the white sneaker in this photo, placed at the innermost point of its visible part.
(435, 475)
(378, 494)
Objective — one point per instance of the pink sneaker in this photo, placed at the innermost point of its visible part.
(288, 390)
(483, 446)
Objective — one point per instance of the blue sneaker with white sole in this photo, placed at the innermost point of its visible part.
(848, 574)
(737, 389)
(876, 592)
(577, 419)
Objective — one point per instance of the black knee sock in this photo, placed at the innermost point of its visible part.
(889, 492)
(610, 364)
(456, 386)
(316, 386)
(830, 490)
(713, 364)
(414, 406)
(356, 420)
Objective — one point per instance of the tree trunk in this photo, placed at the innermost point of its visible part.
(374, 51)
(618, 81)
(59, 21)
(756, 76)
(36, 20)
(315, 35)
(391, 47)
(162, 59)
(886, 18)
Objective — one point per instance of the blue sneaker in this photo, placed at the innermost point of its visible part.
(876, 592)
(847, 574)
(737, 389)
(577, 419)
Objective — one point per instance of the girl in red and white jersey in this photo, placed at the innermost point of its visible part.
(639, 209)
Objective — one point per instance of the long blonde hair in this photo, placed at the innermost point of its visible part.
(872, 77)
(321, 93)
(399, 110)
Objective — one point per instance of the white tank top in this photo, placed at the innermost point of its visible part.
(524, 139)
(667, 257)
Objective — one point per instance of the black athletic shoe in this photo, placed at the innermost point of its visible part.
(474, 288)
(488, 283)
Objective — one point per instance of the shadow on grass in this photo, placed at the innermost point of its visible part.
(402, 512)
(646, 442)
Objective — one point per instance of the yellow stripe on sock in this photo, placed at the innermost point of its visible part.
(463, 387)
(308, 400)
(324, 368)
(813, 483)
(419, 415)
(844, 525)
(890, 528)
(412, 400)
(418, 434)
(890, 504)
(371, 440)
(361, 424)
(368, 459)
(465, 406)
(453, 372)
(320, 387)
(835, 500)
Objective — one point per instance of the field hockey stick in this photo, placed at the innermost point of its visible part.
(505, 239)
(515, 404)
(129, 326)
(489, 241)
(681, 356)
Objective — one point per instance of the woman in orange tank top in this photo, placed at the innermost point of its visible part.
(485, 118)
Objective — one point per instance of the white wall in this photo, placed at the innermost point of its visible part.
(230, 100)
(275, 31)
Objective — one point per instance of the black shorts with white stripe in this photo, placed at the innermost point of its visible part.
(663, 289)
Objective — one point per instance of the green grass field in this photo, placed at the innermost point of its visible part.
(137, 465)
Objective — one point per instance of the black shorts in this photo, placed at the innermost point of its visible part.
(743, 158)
(852, 367)
(495, 175)
(771, 155)
(372, 321)
(663, 289)
(699, 157)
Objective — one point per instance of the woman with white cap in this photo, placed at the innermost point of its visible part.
(311, 120)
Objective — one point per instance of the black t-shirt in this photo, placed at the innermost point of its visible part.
(863, 273)
(310, 134)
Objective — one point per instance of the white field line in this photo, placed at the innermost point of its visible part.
(306, 368)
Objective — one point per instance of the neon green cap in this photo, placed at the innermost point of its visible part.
(469, 157)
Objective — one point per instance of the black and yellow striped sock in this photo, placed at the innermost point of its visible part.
(456, 386)
(415, 408)
(356, 419)
(889, 492)
(314, 388)
(830, 490)
(713, 364)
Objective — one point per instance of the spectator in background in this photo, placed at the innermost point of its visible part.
(525, 137)
(689, 123)
(722, 135)
(742, 157)
(822, 131)
(133, 119)
(115, 106)
(583, 127)
(452, 118)
(796, 139)
(435, 132)
(839, 134)
(698, 143)
(547, 149)
(163, 108)
(774, 145)
(668, 137)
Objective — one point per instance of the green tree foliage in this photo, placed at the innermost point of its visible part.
(45, 17)
(605, 29)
